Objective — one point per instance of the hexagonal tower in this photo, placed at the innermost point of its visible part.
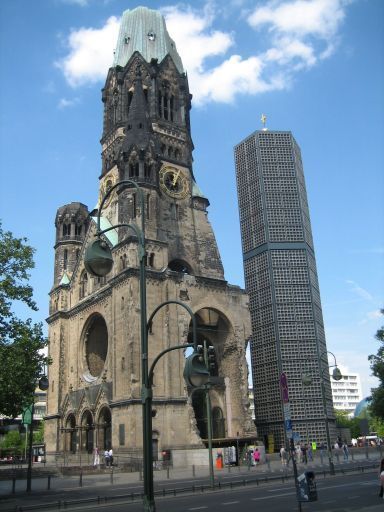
(95, 394)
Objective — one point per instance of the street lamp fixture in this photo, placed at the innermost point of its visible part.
(98, 261)
(196, 374)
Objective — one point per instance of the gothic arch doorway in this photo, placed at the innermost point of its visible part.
(104, 429)
(70, 434)
(86, 432)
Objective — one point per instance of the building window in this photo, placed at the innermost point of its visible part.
(65, 259)
(66, 229)
(148, 205)
(83, 285)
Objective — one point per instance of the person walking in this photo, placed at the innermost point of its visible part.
(106, 457)
(256, 456)
(110, 453)
(381, 478)
(345, 451)
(283, 456)
(310, 453)
(96, 456)
(304, 454)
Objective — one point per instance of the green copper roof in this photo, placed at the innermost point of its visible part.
(144, 30)
(64, 279)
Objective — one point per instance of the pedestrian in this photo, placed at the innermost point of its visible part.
(96, 456)
(106, 457)
(256, 456)
(310, 453)
(345, 451)
(298, 453)
(381, 478)
(304, 454)
(283, 456)
(110, 453)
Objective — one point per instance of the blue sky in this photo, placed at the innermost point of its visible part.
(315, 67)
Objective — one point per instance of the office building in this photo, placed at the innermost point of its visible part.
(281, 280)
(347, 392)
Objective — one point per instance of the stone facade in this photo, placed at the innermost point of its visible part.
(94, 323)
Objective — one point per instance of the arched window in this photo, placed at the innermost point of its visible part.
(83, 285)
(218, 425)
(148, 201)
(130, 96)
(66, 229)
(78, 229)
(134, 206)
(179, 266)
(171, 105)
(134, 170)
(123, 260)
(147, 170)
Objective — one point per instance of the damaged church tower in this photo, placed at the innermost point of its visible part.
(94, 324)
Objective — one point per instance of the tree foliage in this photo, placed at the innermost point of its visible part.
(343, 420)
(377, 367)
(21, 341)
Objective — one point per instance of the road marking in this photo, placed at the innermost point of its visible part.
(197, 508)
(231, 503)
(276, 496)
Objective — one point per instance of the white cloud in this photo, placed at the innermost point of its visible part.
(65, 103)
(90, 53)
(298, 34)
(358, 290)
(319, 18)
(302, 31)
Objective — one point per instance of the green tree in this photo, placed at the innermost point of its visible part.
(38, 435)
(377, 367)
(13, 440)
(343, 420)
(21, 341)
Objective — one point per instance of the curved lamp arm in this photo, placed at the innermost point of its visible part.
(141, 194)
(152, 368)
(185, 306)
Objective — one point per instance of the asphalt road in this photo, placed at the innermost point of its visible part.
(358, 492)
(344, 493)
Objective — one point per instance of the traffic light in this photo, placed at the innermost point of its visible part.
(196, 373)
(211, 360)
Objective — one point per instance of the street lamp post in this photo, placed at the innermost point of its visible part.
(43, 385)
(98, 261)
(336, 375)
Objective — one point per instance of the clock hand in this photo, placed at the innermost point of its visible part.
(175, 177)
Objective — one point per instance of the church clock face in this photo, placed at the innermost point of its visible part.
(173, 182)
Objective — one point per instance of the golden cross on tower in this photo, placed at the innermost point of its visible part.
(264, 120)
